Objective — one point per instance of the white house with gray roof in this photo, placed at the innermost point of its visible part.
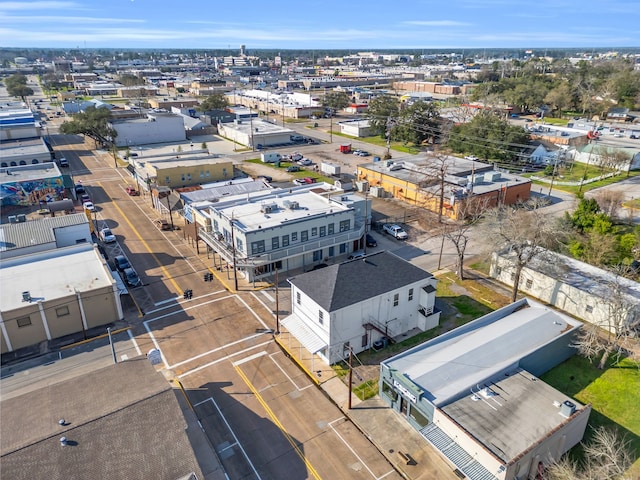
(355, 303)
(474, 392)
(589, 293)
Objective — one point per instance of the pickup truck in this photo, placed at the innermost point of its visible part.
(395, 231)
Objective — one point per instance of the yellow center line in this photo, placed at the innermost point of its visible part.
(146, 245)
(277, 423)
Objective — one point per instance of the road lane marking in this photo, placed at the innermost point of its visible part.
(362, 462)
(168, 300)
(275, 420)
(184, 309)
(155, 344)
(224, 419)
(179, 303)
(249, 358)
(254, 313)
(217, 349)
(262, 303)
(228, 357)
(269, 297)
(135, 344)
(146, 245)
(285, 373)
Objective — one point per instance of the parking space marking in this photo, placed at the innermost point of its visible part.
(277, 423)
(285, 373)
(186, 308)
(217, 349)
(254, 313)
(249, 358)
(224, 419)
(156, 345)
(269, 297)
(227, 357)
(362, 462)
(179, 303)
(135, 344)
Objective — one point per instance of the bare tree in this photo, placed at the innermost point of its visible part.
(471, 211)
(607, 455)
(619, 320)
(525, 234)
(609, 201)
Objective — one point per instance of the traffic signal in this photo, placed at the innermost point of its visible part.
(187, 294)
(208, 277)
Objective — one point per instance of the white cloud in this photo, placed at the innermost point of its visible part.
(44, 5)
(9, 19)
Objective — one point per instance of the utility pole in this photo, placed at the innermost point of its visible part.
(233, 251)
(169, 208)
(277, 306)
(113, 349)
(350, 374)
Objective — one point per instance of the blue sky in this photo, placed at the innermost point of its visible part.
(347, 24)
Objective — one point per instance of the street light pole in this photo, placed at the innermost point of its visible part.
(277, 306)
(233, 252)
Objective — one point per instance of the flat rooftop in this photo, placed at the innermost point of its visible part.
(26, 173)
(259, 127)
(22, 147)
(517, 399)
(37, 232)
(249, 216)
(52, 274)
(450, 364)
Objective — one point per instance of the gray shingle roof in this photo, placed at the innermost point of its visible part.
(348, 283)
(124, 422)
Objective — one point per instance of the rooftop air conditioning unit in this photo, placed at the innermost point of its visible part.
(567, 408)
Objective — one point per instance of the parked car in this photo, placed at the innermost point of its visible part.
(362, 153)
(121, 263)
(163, 224)
(132, 191)
(63, 162)
(107, 236)
(297, 138)
(131, 277)
(395, 231)
(299, 181)
(89, 206)
(305, 161)
(79, 188)
(85, 198)
(319, 266)
(295, 156)
(356, 255)
(371, 242)
(292, 168)
(266, 178)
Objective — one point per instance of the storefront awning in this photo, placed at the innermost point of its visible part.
(310, 340)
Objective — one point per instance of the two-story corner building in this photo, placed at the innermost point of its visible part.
(351, 305)
(474, 392)
(155, 127)
(285, 229)
(589, 293)
(415, 180)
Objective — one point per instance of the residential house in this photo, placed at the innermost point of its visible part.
(348, 306)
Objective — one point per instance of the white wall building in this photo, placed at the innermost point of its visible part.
(286, 229)
(474, 395)
(255, 133)
(582, 290)
(355, 128)
(355, 303)
(154, 128)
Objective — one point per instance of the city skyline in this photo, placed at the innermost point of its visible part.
(326, 25)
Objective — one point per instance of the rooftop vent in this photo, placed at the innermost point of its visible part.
(567, 408)
(291, 205)
(26, 296)
(63, 441)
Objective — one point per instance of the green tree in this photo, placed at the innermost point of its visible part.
(383, 113)
(217, 101)
(336, 100)
(129, 80)
(419, 123)
(559, 98)
(94, 123)
(17, 86)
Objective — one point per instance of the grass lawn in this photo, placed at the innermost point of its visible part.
(381, 142)
(614, 394)
(303, 173)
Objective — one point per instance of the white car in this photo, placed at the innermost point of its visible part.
(89, 206)
(305, 162)
(395, 231)
(107, 236)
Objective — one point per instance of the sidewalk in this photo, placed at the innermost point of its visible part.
(384, 427)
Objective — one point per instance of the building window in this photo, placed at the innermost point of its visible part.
(167, 179)
(188, 177)
(410, 294)
(323, 231)
(331, 228)
(321, 317)
(332, 251)
(207, 174)
(257, 247)
(182, 176)
(365, 341)
(304, 235)
(24, 322)
(417, 416)
(317, 255)
(529, 283)
(275, 243)
(343, 248)
(345, 225)
(298, 298)
(215, 226)
(224, 172)
(589, 309)
(285, 240)
(62, 311)
(239, 244)
(201, 174)
(513, 276)
(388, 391)
(498, 271)
(396, 299)
(294, 236)
(314, 231)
